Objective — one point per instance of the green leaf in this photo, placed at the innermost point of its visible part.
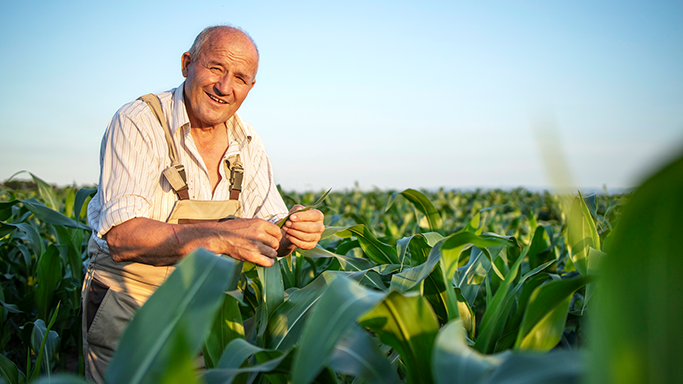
(496, 312)
(595, 259)
(581, 234)
(422, 203)
(47, 193)
(336, 311)
(47, 214)
(451, 249)
(45, 342)
(557, 367)
(186, 302)
(358, 355)
(273, 294)
(347, 263)
(546, 314)
(457, 362)
(636, 334)
(376, 251)
(236, 353)
(227, 326)
(36, 242)
(408, 324)
(287, 322)
(82, 197)
(49, 275)
(411, 277)
(181, 367)
(9, 371)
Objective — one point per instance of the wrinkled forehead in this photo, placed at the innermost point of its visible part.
(233, 41)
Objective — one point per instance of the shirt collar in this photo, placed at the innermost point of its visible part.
(239, 131)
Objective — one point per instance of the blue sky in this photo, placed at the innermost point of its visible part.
(382, 94)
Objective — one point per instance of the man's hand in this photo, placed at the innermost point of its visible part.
(253, 240)
(302, 230)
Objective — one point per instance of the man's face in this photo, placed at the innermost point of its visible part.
(219, 79)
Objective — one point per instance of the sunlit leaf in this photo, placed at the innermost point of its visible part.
(422, 204)
(408, 324)
(334, 314)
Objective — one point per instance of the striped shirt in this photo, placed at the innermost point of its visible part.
(134, 153)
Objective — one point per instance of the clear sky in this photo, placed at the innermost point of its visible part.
(392, 94)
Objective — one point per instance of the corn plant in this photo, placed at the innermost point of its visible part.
(410, 286)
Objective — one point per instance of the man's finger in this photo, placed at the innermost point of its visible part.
(310, 215)
(305, 226)
(302, 236)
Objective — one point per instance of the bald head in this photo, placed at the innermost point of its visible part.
(211, 34)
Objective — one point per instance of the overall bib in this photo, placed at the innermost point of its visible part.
(112, 292)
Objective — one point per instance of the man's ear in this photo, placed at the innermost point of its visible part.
(185, 61)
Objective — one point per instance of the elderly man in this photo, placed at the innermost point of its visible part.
(180, 170)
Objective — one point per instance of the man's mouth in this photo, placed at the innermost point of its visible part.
(214, 98)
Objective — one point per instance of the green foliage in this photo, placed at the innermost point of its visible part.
(43, 240)
(409, 286)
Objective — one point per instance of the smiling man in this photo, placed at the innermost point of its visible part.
(180, 170)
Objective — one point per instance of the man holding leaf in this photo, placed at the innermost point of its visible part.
(180, 170)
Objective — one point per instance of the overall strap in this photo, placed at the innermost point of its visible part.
(175, 174)
(234, 168)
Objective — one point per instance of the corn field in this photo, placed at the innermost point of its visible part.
(484, 286)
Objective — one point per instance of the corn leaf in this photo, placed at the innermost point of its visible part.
(334, 314)
(49, 275)
(227, 327)
(557, 367)
(287, 321)
(408, 324)
(636, 333)
(546, 315)
(186, 302)
(47, 193)
(272, 294)
(422, 203)
(497, 310)
(9, 371)
(48, 215)
(358, 355)
(456, 362)
(376, 251)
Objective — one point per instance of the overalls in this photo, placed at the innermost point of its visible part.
(112, 291)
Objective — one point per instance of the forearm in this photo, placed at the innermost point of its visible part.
(157, 243)
(153, 242)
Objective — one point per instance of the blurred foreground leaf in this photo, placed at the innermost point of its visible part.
(186, 303)
(638, 306)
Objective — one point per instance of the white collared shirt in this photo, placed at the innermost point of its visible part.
(134, 153)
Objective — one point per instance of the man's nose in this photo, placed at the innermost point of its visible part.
(224, 85)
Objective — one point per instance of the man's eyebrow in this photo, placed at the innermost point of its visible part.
(242, 74)
(214, 62)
